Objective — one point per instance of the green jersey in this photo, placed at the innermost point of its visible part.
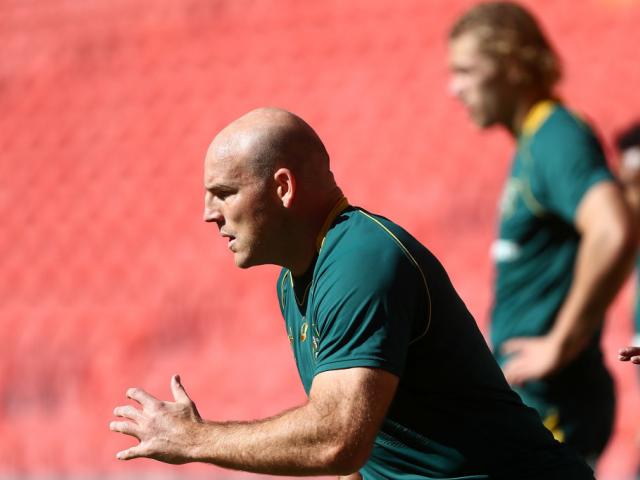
(375, 297)
(557, 161)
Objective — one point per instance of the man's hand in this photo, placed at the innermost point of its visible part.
(332, 433)
(531, 358)
(166, 430)
(631, 354)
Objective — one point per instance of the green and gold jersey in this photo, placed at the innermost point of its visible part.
(557, 161)
(375, 297)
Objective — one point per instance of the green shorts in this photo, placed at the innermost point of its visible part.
(577, 406)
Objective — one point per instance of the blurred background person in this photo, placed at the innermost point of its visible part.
(566, 237)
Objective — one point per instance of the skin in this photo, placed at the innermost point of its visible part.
(629, 354)
(630, 177)
(274, 218)
(494, 93)
(271, 212)
(488, 89)
(331, 434)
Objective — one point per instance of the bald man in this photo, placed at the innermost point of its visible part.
(400, 382)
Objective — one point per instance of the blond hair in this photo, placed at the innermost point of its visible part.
(507, 31)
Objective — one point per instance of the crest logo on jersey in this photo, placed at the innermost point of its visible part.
(315, 340)
(303, 331)
(290, 335)
(509, 197)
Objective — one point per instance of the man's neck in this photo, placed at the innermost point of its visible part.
(309, 232)
(522, 109)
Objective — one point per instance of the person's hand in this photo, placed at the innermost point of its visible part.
(631, 354)
(531, 358)
(166, 430)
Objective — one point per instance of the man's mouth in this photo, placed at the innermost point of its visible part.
(231, 239)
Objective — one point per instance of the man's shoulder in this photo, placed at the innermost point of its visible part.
(372, 251)
(362, 234)
(563, 128)
(564, 141)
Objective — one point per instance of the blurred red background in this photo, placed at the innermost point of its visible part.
(109, 279)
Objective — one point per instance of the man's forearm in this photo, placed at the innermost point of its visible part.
(332, 434)
(603, 263)
(301, 441)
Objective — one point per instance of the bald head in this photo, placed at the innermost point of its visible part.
(272, 138)
(269, 188)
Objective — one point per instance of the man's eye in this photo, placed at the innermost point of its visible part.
(224, 194)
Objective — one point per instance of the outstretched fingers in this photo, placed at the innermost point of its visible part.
(127, 428)
(142, 397)
(128, 411)
(131, 453)
(181, 397)
(179, 393)
(163, 428)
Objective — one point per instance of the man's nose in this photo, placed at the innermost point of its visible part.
(211, 214)
(455, 86)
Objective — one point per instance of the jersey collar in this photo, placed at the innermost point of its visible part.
(335, 211)
(537, 116)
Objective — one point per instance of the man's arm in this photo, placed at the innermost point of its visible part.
(604, 259)
(331, 434)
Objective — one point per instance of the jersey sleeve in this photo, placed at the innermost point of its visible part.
(365, 311)
(569, 161)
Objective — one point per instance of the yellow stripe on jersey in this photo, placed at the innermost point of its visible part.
(536, 116)
(284, 279)
(335, 211)
(552, 423)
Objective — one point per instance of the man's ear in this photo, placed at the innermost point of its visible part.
(285, 186)
(516, 74)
